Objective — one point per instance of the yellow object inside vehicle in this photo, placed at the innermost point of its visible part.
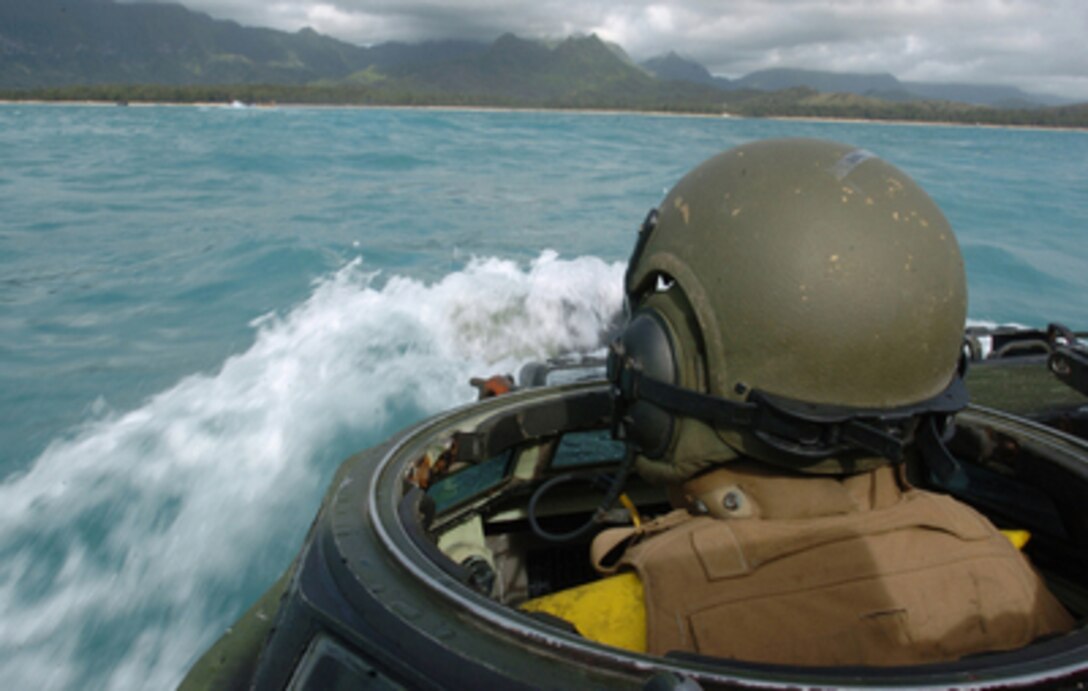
(1018, 538)
(610, 611)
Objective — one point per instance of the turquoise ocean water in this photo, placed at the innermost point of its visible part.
(203, 309)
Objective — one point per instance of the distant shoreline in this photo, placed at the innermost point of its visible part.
(366, 106)
(922, 123)
(545, 110)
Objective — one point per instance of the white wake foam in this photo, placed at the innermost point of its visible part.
(121, 547)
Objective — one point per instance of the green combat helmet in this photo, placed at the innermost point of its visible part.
(797, 301)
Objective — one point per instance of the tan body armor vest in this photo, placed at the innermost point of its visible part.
(823, 571)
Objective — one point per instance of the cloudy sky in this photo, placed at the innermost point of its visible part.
(1038, 45)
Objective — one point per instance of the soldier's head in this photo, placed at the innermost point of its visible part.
(797, 301)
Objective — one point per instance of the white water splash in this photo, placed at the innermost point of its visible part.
(120, 548)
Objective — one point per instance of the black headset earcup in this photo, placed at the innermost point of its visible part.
(648, 345)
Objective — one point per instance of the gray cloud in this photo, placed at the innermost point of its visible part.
(1037, 45)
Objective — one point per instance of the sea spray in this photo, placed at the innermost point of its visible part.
(125, 549)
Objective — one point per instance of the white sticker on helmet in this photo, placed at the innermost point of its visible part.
(850, 161)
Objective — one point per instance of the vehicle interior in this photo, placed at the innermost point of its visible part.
(511, 506)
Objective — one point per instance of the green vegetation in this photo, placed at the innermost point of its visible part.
(803, 102)
(808, 103)
(666, 97)
(386, 94)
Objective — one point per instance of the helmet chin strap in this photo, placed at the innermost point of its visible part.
(806, 430)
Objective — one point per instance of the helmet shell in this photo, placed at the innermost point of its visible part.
(815, 271)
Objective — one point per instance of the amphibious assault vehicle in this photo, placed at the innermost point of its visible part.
(424, 548)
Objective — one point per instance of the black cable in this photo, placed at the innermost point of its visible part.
(615, 488)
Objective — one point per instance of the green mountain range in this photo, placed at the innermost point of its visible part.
(102, 50)
(67, 43)
(873, 84)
